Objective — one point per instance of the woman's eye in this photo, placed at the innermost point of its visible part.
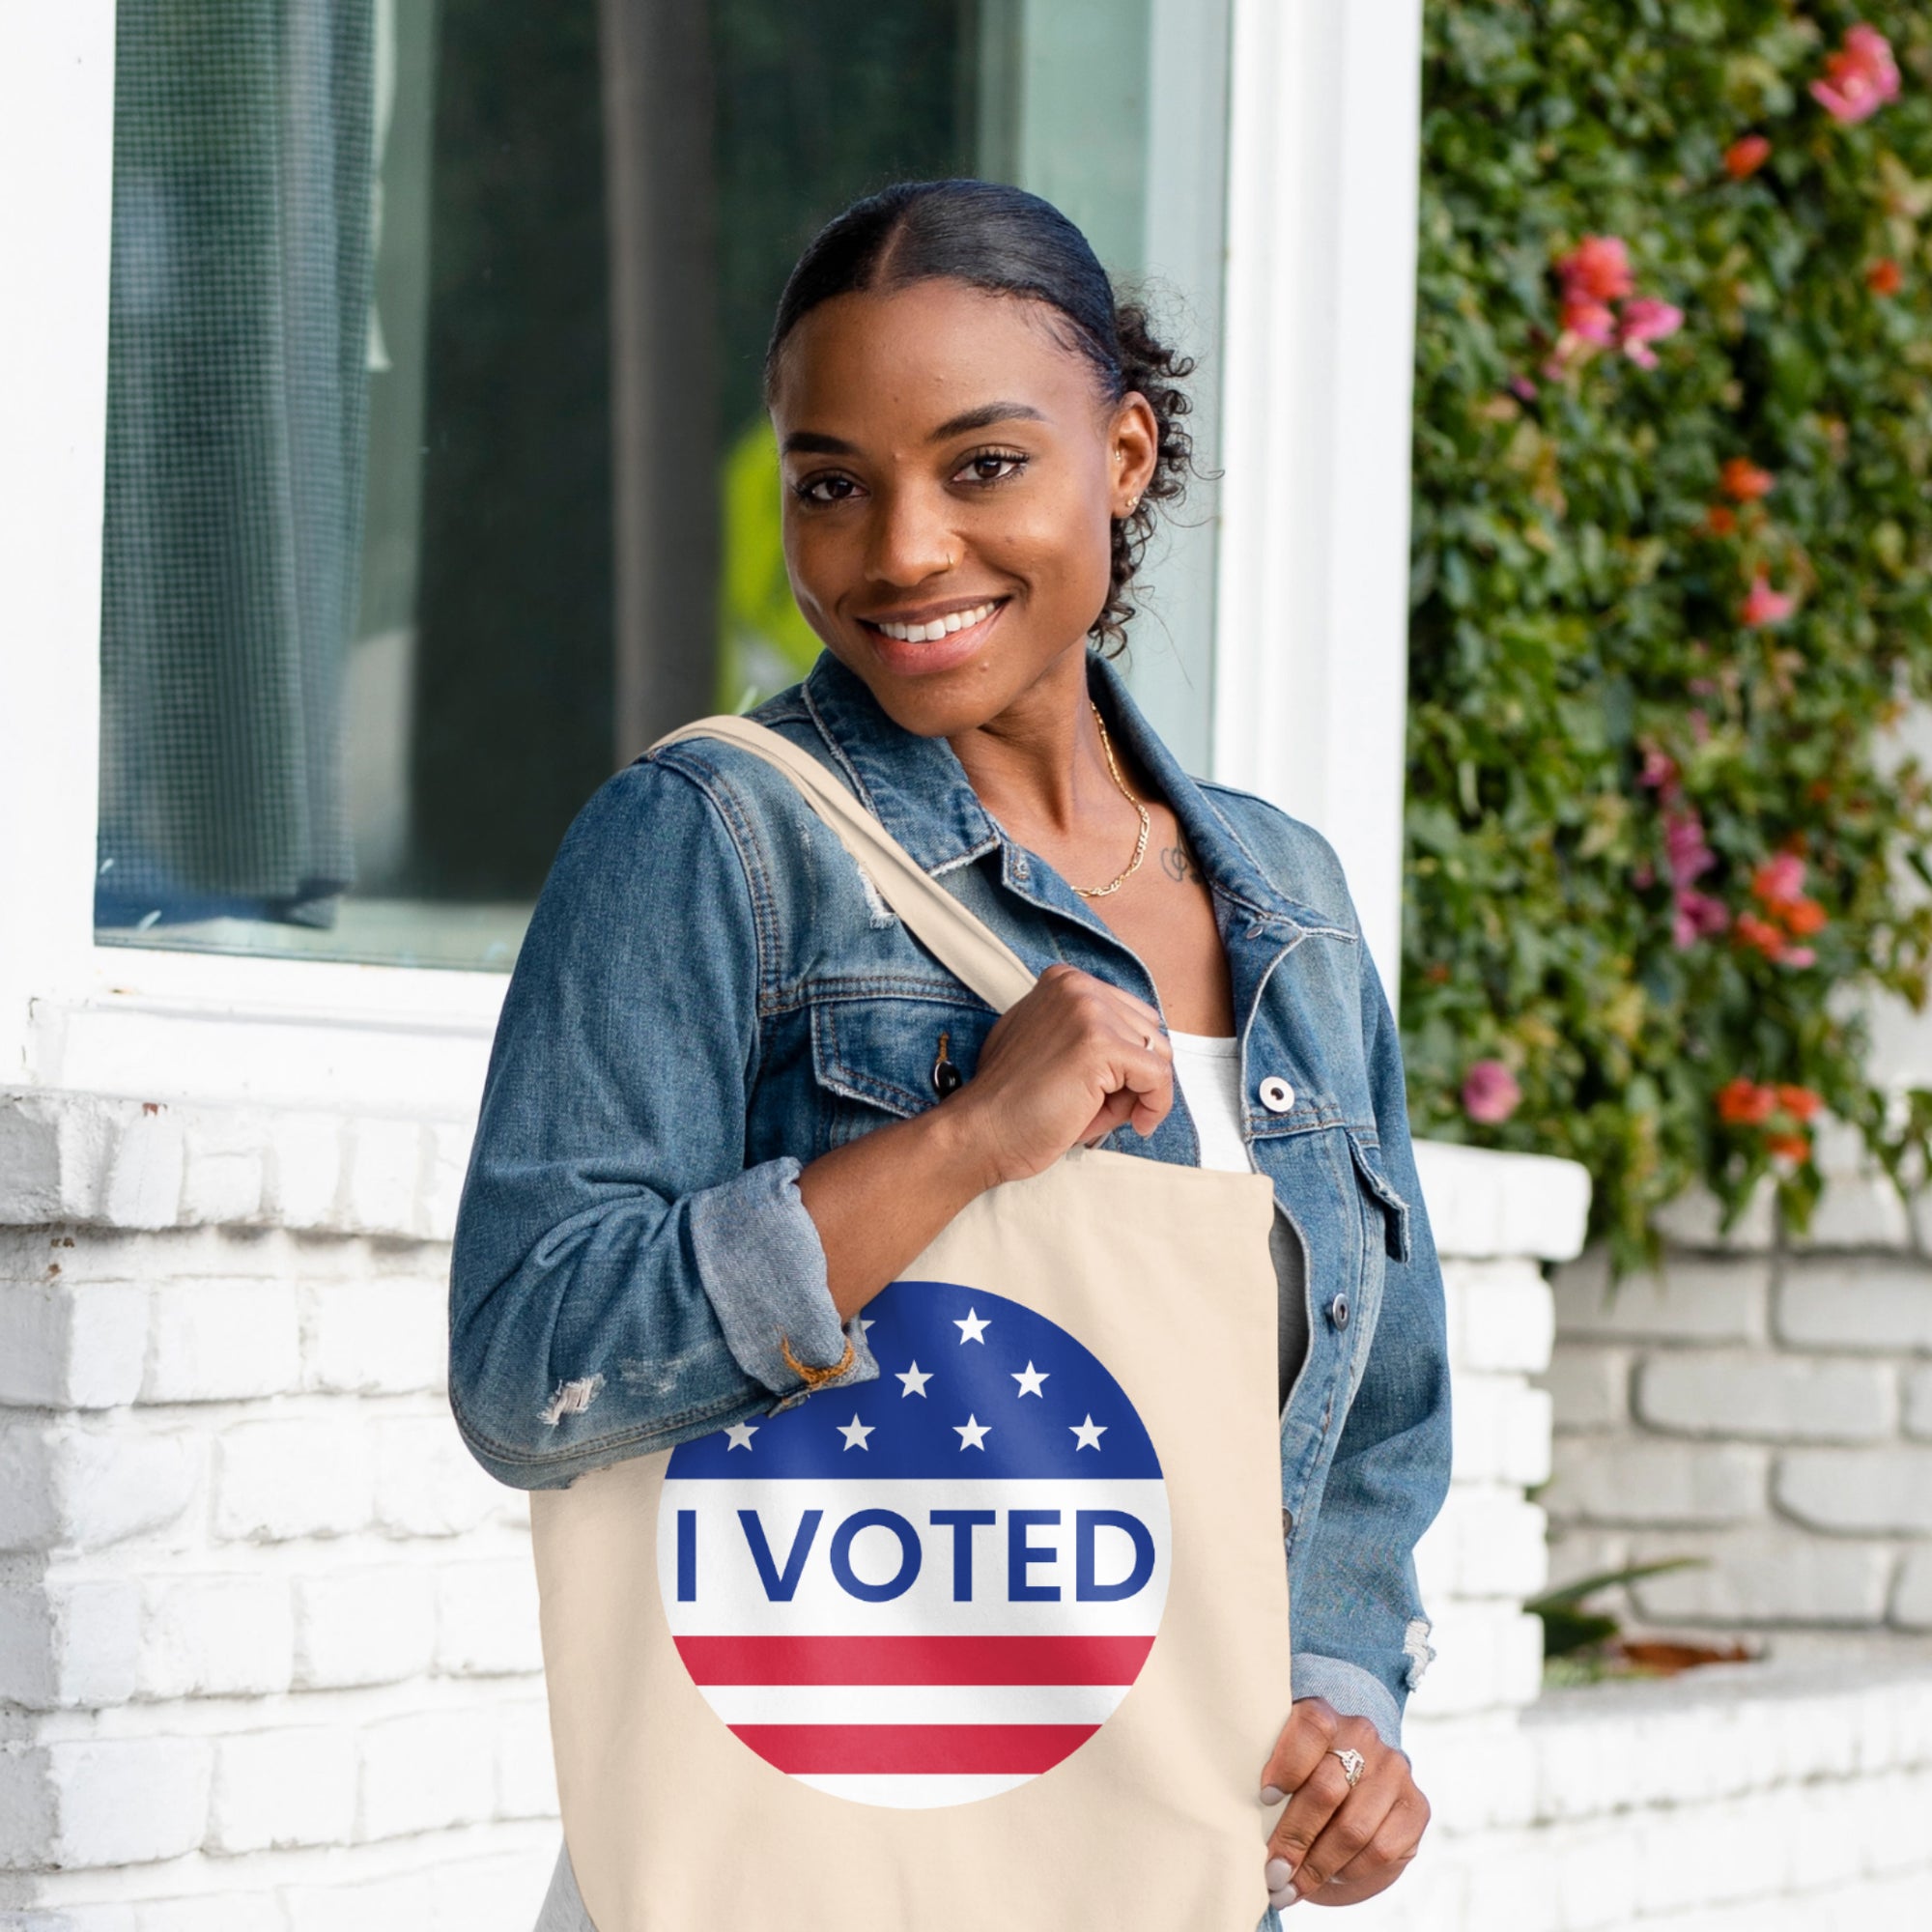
(993, 465)
(825, 489)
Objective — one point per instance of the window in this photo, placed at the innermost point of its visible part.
(437, 480)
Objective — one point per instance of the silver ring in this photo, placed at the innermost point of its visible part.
(1353, 1764)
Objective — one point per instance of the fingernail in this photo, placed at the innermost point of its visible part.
(1272, 1794)
(1277, 1872)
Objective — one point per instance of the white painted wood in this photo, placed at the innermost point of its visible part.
(1310, 653)
(56, 133)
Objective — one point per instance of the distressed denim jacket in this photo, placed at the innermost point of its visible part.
(712, 995)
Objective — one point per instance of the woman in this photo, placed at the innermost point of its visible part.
(730, 1101)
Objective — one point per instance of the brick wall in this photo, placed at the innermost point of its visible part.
(1763, 1405)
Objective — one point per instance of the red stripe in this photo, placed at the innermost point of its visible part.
(914, 1660)
(910, 1750)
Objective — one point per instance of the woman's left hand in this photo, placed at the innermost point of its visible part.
(1334, 1844)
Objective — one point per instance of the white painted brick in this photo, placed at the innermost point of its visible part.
(427, 1483)
(364, 1626)
(66, 1642)
(1912, 1600)
(224, 1169)
(284, 1787)
(1694, 1298)
(384, 1175)
(448, 1163)
(90, 1485)
(1865, 1492)
(71, 1346)
(1918, 1404)
(1882, 1303)
(526, 1764)
(129, 1800)
(389, 1335)
(215, 1636)
(1759, 1576)
(1483, 1203)
(1696, 1220)
(1760, 1397)
(1518, 1885)
(1501, 1431)
(1488, 1656)
(1710, 1854)
(1478, 1773)
(487, 1619)
(231, 1911)
(142, 1185)
(221, 1341)
(1623, 1480)
(1499, 1316)
(1589, 1385)
(1597, 1879)
(1857, 1210)
(305, 1169)
(293, 1477)
(30, 1161)
(28, 1819)
(482, 1895)
(426, 1772)
(401, 1903)
(1499, 1543)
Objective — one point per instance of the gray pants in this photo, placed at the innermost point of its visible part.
(563, 1908)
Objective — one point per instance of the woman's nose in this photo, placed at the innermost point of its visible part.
(912, 538)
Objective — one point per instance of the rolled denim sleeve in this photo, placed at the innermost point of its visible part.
(621, 1280)
(1361, 1635)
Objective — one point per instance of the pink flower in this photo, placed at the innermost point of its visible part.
(1764, 606)
(1597, 270)
(1698, 916)
(1489, 1092)
(1646, 320)
(1686, 849)
(1860, 78)
(1660, 770)
(1800, 956)
(1779, 880)
(1522, 387)
(1589, 321)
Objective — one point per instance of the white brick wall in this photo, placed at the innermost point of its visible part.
(267, 1639)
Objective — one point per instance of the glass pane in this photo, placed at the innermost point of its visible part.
(437, 480)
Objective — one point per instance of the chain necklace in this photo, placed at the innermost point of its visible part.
(1114, 884)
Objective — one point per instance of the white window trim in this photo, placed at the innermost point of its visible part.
(1310, 668)
(1318, 338)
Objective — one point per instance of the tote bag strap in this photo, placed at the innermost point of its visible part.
(959, 940)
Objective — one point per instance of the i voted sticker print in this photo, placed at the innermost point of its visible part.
(928, 1588)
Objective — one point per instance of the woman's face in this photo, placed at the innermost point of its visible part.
(952, 473)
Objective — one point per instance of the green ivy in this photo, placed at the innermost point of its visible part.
(1661, 858)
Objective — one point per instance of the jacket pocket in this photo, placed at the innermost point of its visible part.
(1394, 1208)
(902, 1054)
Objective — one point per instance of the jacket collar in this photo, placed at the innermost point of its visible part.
(918, 790)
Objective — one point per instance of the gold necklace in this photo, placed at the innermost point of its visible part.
(1114, 884)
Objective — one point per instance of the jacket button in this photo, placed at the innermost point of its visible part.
(1338, 1311)
(1277, 1095)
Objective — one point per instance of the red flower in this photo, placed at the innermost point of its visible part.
(1744, 1103)
(1764, 606)
(1860, 78)
(1884, 278)
(1744, 482)
(1746, 155)
(1645, 321)
(1788, 1146)
(1721, 521)
(1489, 1092)
(1799, 1102)
(1802, 917)
(1752, 931)
(1597, 270)
(1589, 321)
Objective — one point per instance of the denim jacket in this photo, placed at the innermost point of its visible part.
(711, 995)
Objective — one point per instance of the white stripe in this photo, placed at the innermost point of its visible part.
(912, 1794)
(914, 1703)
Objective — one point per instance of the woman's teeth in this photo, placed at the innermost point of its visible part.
(940, 627)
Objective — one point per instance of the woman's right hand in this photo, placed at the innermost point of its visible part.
(1075, 1058)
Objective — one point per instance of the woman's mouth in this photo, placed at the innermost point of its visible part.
(935, 644)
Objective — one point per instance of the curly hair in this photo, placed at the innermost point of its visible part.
(1007, 241)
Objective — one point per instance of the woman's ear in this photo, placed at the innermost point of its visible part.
(1135, 449)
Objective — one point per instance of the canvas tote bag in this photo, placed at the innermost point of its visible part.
(998, 1641)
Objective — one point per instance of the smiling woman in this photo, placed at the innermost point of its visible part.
(785, 1086)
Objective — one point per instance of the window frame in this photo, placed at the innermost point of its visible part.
(1321, 141)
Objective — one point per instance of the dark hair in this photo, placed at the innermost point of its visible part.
(1009, 243)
